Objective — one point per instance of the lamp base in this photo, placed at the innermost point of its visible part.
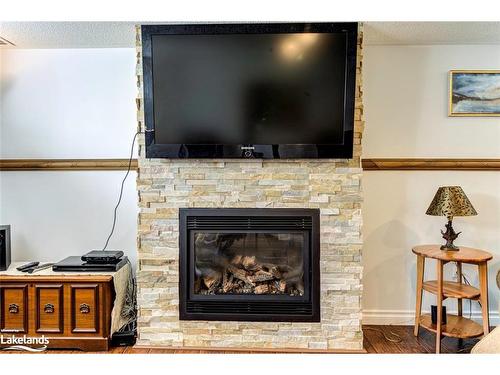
(449, 236)
(449, 248)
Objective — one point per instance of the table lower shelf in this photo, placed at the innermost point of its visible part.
(456, 326)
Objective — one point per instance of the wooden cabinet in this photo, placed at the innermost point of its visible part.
(49, 308)
(73, 312)
(84, 309)
(14, 308)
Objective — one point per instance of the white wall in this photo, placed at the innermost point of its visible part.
(68, 103)
(406, 103)
(81, 104)
(406, 98)
(1, 103)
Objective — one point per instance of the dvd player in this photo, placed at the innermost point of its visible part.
(76, 264)
(100, 256)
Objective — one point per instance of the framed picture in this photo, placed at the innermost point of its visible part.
(474, 93)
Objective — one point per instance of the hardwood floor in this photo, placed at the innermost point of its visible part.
(374, 342)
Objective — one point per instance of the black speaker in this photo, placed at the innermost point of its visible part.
(4, 247)
(434, 314)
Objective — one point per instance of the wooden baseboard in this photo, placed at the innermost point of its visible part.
(423, 164)
(180, 349)
(66, 164)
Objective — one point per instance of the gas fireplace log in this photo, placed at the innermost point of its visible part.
(248, 289)
(243, 274)
(212, 280)
(261, 276)
(224, 278)
(229, 284)
(275, 271)
(282, 286)
(236, 260)
(261, 289)
(248, 263)
(240, 274)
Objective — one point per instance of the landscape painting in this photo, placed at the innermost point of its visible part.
(474, 93)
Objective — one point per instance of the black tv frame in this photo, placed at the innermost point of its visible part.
(261, 151)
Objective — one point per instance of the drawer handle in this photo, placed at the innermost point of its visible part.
(48, 308)
(84, 308)
(13, 308)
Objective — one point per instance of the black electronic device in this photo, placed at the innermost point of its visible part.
(27, 266)
(76, 264)
(127, 336)
(253, 90)
(4, 247)
(103, 257)
(434, 315)
(39, 268)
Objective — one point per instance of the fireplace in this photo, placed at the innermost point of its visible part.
(249, 264)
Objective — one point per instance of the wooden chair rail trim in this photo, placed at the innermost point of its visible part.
(66, 164)
(424, 164)
(369, 164)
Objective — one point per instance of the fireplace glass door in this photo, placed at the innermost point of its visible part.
(250, 262)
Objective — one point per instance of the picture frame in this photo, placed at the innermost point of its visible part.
(474, 93)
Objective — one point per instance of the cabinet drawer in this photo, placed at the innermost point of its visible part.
(49, 308)
(84, 302)
(14, 308)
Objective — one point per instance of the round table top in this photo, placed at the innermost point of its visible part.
(465, 254)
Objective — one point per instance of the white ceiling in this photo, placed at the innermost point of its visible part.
(432, 33)
(122, 34)
(69, 34)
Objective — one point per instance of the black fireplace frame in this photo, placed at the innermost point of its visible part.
(285, 308)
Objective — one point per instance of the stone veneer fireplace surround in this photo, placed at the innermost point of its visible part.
(332, 186)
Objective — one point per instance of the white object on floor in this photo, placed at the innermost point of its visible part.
(490, 344)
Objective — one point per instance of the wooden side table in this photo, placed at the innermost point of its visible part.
(456, 326)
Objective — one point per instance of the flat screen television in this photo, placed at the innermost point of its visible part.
(268, 90)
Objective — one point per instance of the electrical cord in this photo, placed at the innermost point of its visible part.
(395, 337)
(129, 308)
(467, 282)
(466, 349)
(121, 191)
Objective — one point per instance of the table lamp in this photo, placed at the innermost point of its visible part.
(450, 201)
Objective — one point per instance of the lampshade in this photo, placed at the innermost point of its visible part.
(451, 201)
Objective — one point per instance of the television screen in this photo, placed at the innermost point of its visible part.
(271, 91)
